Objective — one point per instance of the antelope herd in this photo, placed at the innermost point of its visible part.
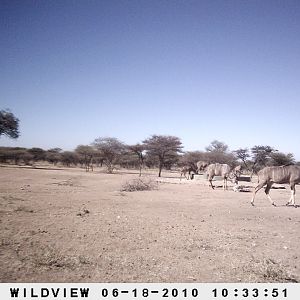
(289, 174)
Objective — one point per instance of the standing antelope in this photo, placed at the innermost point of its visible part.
(282, 174)
(220, 170)
(187, 169)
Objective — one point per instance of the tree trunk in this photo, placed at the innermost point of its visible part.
(160, 168)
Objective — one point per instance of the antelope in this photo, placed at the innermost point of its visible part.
(237, 170)
(223, 170)
(282, 174)
(201, 165)
(187, 169)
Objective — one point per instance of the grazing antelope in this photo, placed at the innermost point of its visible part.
(282, 174)
(201, 165)
(223, 170)
(187, 169)
(237, 170)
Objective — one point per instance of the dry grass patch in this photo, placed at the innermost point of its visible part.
(139, 184)
(270, 271)
(50, 257)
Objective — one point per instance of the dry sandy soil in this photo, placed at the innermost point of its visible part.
(70, 226)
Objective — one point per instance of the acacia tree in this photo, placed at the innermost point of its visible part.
(218, 152)
(98, 158)
(12, 154)
(138, 149)
(163, 147)
(190, 158)
(9, 124)
(37, 153)
(243, 155)
(111, 150)
(261, 156)
(172, 159)
(53, 155)
(68, 158)
(280, 159)
(217, 146)
(86, 154)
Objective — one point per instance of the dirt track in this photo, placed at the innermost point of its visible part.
(72, 226)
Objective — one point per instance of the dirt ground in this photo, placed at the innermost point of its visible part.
(67, 225)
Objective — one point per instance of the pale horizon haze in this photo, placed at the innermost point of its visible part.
(73, 71)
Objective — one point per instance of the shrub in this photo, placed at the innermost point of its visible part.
(139, 185)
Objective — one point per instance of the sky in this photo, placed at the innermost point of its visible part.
(73, 71)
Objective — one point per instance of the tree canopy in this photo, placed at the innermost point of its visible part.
(111, 150)
(217, 146)
(138, 150)
(9, 124)
(163, 147)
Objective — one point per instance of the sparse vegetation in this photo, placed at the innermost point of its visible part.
(111, 150)
(165, 148)
(269, 270)
(158, 151)
(50, 258)
(95, 232)
(139, 185)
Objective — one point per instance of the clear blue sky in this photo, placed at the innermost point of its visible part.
(72, 71)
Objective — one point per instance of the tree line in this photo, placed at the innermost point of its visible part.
(157, 151)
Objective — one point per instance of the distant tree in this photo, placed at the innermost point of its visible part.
(18, 154)
(261, 156)
(190, 158)
(128, 160)
(53, 155)
(243, 155)
(98, 158)
(222, 158)
(9, 124)
(12, 154)
(138, 149)
(172, 159)
(26, 157)
(150, 160)
(280, 159)
(4, 155)
(163, 147)
(217, 146)
(55, 150)
(68, 158)
(86, 154)
(111, 150)
(37, 153)
(218, 152)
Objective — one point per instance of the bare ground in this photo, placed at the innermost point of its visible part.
(72, 226)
